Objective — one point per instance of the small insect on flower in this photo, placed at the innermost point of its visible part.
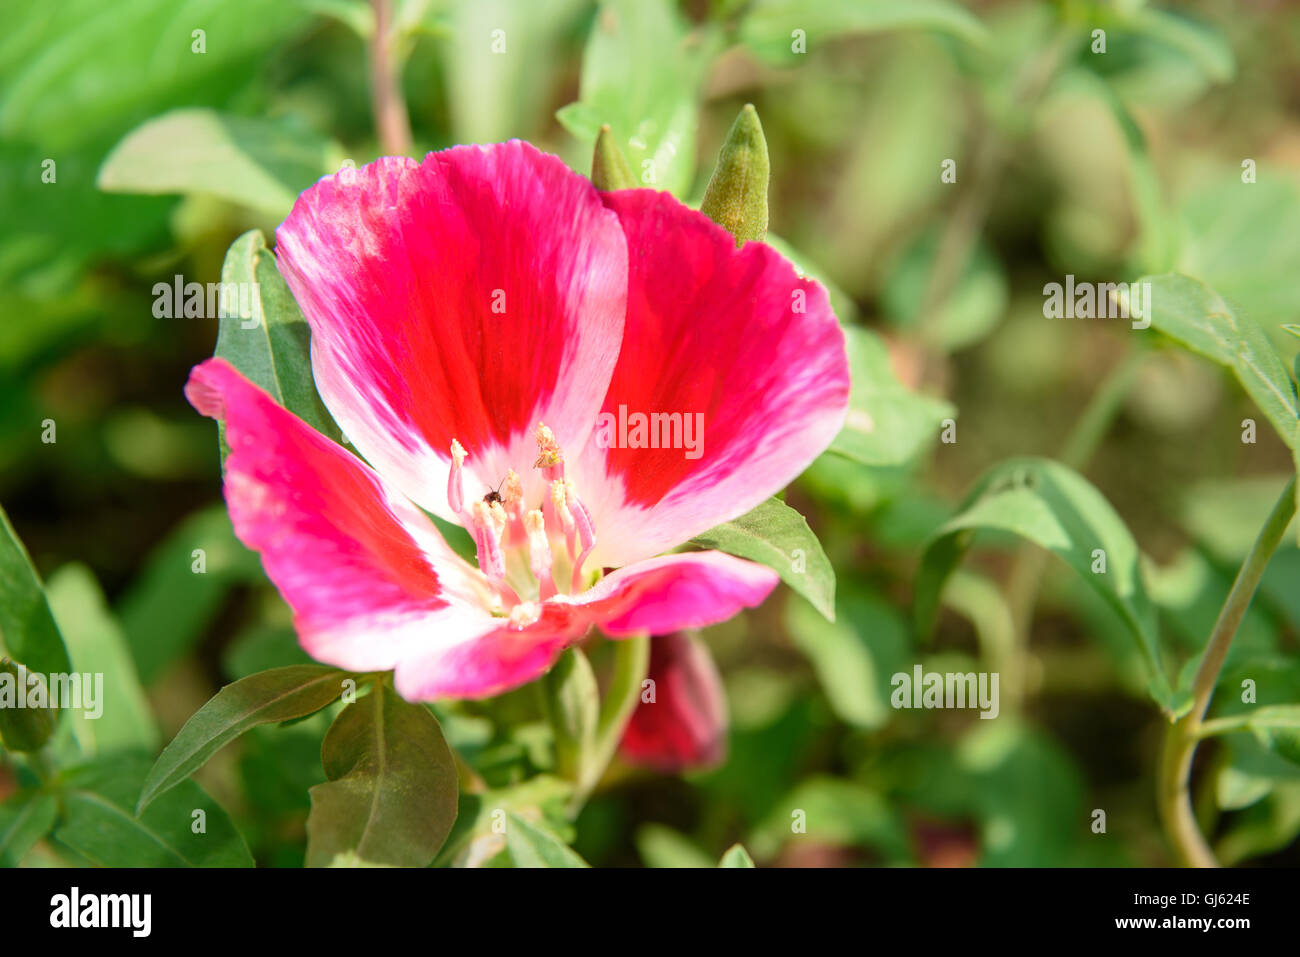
(494, 496)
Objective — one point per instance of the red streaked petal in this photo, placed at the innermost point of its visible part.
(468, 296)
(367, 575)
(659, 595)
(685, 726)
(714, 333)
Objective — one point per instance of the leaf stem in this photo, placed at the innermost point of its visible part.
(1173, 793)
(631, 663)
(392, 124)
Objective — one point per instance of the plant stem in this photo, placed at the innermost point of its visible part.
(1173, 792)
(392, 125)
(631, 663)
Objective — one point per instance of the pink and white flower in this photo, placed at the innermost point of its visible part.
(472, 316)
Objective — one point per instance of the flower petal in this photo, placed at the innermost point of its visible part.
(495, 660)
(466, 297)
(368, 577)
(685, 726)
(731, 339)
(659, 595)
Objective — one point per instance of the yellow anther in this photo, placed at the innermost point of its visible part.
(514, 488)
(548, 449)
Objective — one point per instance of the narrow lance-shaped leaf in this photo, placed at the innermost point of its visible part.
(27, 630)
(24, 819)
(1058, 509)
(281, 694)
(391, 794)
(115, 714)
(269, 341)
(775, 535)
(736, 197)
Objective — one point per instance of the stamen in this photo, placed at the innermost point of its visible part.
(586, 530)
(560, 506)
(514, 489)
(455, 483)
(549, 454)
(539, 553)
(489, 523)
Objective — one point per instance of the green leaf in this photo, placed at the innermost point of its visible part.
(1195, 316)
(1243, 240)
(775, 535)
(769, 25)
(1059, 510)
(98, 647)
(1201, 44)
(95, 70)
(258, 163)
(854, 656)
(272, 346)
(27, 630)
(736, 856)
(183, 828)
(166, 609)
(391, 793)
(661, 846)
(736, 197)
(572, 702)
(887, 424)
(640, 76)
(531, 845)
(25, 818)
(270, 697)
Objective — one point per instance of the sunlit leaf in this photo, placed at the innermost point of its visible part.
(269, 697)
(1057, 509)
(775, 535)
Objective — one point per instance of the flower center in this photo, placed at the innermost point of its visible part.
(529, 553)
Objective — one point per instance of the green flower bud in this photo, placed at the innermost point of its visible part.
(26, 720)
(609, 169)
(736, 197)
